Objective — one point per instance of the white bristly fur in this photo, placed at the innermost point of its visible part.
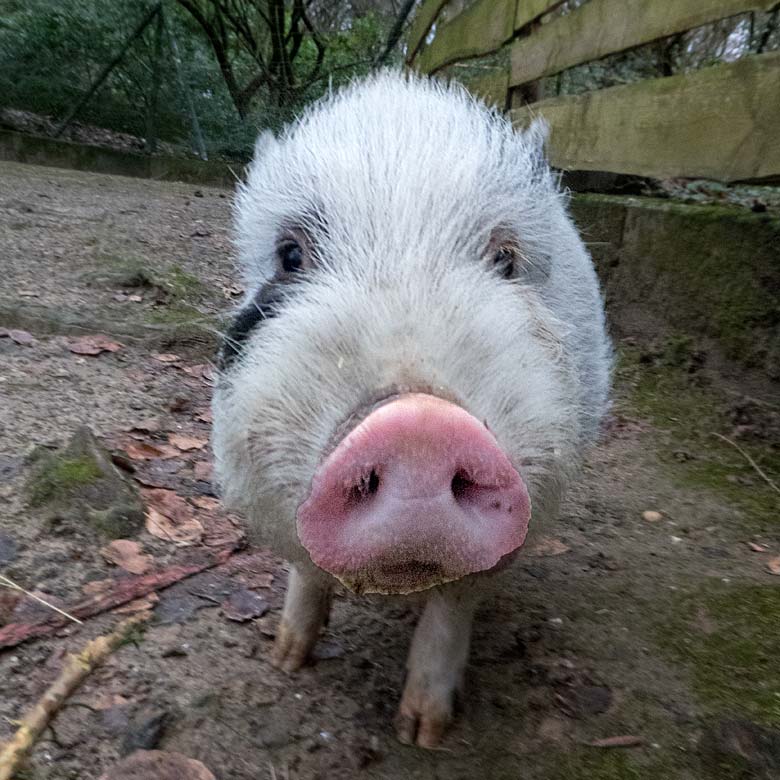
(400, 182)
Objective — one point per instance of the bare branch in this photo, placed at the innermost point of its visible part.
(395, 33)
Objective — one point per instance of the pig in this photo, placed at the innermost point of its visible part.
(416, 370)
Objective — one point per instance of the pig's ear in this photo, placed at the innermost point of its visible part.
(536, 137)
(264, 143)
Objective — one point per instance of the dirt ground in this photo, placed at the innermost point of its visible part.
(663, 627)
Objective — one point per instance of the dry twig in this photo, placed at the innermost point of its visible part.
(73, 673)
(8, 583)
(750, 460)
(125, 590)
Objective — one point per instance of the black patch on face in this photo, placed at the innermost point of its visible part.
(263, 306)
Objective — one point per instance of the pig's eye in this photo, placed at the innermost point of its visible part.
(291, 256)
(504, 261)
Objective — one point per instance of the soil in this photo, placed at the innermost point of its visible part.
(662, 627)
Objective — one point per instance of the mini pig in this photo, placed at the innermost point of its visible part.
(417, 368)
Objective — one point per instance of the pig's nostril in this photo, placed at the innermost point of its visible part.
(365, 488)
(461, 485)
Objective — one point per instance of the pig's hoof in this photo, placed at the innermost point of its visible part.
(291, 649)
(422, 719)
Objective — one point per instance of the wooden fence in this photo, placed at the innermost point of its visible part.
(720, 122)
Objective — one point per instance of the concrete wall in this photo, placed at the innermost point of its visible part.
(670, 269)
(20, 147)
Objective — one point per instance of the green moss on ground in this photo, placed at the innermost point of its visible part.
(80, 485)
(734, 661)
(180, 284)
(589, 763)
(177, 314)
(58, 477)
(595, 764)
(669, 395)
(174, 284)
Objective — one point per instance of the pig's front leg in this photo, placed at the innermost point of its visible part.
(436, 666)
(306, 609)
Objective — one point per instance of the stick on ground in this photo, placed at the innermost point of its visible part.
(74, 672)
(750, 460)
(126, 590)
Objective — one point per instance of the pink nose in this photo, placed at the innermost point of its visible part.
(418, 494)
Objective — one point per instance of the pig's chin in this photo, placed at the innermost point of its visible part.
(407, 577)
(418, 494)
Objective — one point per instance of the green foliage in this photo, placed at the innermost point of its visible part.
(52, 50)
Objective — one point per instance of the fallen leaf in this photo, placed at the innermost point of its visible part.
(149, 425)
(773, 565)
(142, 450)
(208, 503)
(28, 293)
(243, 605)
(626, 740)
(651, 516)
(759, 548)
(202, 371)
(93, 345)
(138, 605)
(203, 471)
(220, 532)
(170, 517)
(170, 503)
(180, 532)
(186, 443)
(159, 764)
(547, 546)
(166, 357)
(127, 554)
(22, 337)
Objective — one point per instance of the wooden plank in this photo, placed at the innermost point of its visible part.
(530, 10)
(602, 27)
(421, 25)
(492, 85)
(720, 123)
(480, 29)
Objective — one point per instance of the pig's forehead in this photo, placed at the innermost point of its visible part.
(407, 154)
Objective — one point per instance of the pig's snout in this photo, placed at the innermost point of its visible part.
(418, 494)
